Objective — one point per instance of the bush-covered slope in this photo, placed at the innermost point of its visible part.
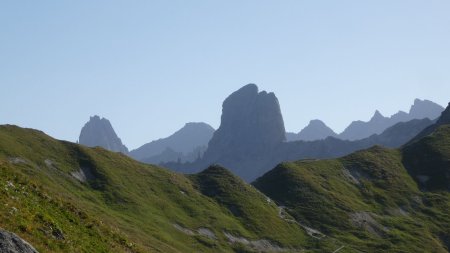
(63, 197)
(367, 200)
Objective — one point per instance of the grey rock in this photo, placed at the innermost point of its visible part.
(251, 128)
(251, 122)
(11, 243)
(99, 132)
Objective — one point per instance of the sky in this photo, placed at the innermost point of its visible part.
(151, 66)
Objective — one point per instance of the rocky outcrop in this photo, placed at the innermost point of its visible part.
(251, 123)
(99, 132)
(186, 144)
(251, 128)
(421, 109)
(315, 130)
(11, 243)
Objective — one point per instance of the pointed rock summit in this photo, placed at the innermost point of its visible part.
(251, 122)
(99, 132)
(359, 129)
(377, 116)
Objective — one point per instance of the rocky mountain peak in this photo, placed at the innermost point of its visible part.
(377, 116)
(251, 123)
(315, 130)
(99, 132)
(425, 109)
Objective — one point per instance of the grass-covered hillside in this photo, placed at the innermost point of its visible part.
(63, 197)
(428, 159)
(368, 200)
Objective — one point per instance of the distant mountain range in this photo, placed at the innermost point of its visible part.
(251, 137)
(315, 130)
(378, 123)
(64, 197)
(187, 144)
(357, 130)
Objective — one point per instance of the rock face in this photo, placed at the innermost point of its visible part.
(421, 109)
(185, 144)
(316, 130)
(11, 243)
(99, 132)
(251, 124)
(251, 129)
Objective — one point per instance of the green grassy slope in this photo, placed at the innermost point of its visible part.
(126, 206)
(370, 201)
(428, 159)
(366, 200)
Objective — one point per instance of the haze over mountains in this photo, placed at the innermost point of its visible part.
(187, 144)
(65, 197)
(317, 130)
(251, 138)
(378, 123)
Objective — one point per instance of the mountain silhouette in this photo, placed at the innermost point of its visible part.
(315, 130)
(185, 144)
(99, 132)
(378, 123)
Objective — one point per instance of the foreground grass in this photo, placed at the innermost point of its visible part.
(125, 206)
(366, 200)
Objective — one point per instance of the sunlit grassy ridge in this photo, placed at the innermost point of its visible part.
(125, 206)
(368, 200)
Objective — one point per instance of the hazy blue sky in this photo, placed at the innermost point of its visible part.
(151, 66)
